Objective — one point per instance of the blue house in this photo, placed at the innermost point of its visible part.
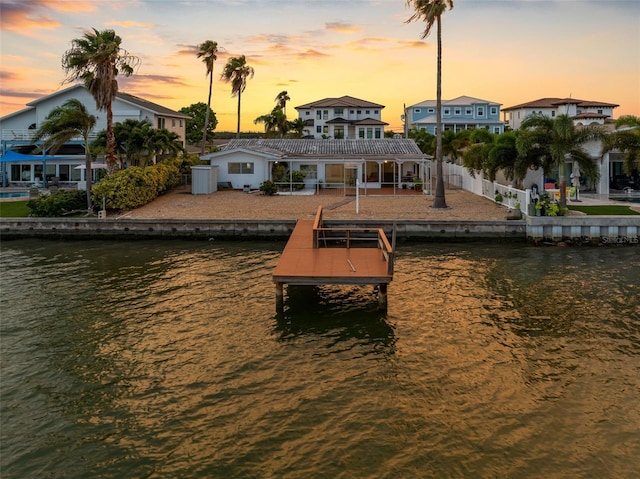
(462, 113)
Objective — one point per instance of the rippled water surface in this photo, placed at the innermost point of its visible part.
(166, 359)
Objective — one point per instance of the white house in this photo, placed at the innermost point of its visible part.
(583, 112)
(17, 131)
(382, 163)
(342, 118)
(462, 113)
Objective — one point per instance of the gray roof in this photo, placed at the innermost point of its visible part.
(342, 102)
(311, 148)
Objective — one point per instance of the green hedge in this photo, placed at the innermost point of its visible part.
(60, 203)
(136, 186)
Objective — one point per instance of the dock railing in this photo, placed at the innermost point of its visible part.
(350, 237)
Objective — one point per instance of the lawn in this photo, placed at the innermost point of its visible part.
(604, 210)
(14, 209)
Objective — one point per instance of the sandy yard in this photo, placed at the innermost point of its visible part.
(180, 203)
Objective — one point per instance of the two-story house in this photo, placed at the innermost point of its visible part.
(583, 112)
(17, 131)
(462, 113)
(342, 118)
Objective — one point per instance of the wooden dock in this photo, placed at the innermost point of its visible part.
(316, 255)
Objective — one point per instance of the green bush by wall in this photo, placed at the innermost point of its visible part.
(136, 186)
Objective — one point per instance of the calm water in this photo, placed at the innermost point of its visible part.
(167, 360)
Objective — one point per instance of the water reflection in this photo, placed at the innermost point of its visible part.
(343, 314)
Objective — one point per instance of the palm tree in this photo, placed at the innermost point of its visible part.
(430, 12)
(236, 72)
(626, 139)
(556, 141)
(297, 125)
(208, 51)
(281, 101)
(65, 122)
(97, 59)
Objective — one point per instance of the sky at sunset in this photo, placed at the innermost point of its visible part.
(504, 51)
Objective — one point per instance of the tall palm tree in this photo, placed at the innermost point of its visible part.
(430, 12)
(281, 101)
(236, 72)
(208, 51)
(556, 141)
(97, 59)
(65, 122)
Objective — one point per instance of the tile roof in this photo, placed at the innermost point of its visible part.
(554, 102)
(141, 102)
(154, 107)
(459, 101)
(311, 148)
(342, 102)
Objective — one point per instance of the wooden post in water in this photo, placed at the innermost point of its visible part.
(279, 297)
(382, 296)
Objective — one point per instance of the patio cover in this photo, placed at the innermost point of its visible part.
(13, 156)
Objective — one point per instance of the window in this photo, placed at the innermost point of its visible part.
(416, 110)
(367, 112)
(494, 110)
(371, 172)
(325, 129)
(307, 113)
(240, 168)
(318, 129)
(338, 111)
(496, 130)
(351, 111)
(360, 132)
(457, 111)
(180, 123)
(325, 114)
(161, 123)
(378, 133)
(447, 111)
(310, 171)
(369, 133)
(359, 112)
(480, 111)
(468, 111)
(318, 114)
(600, 112)
(173, 122)
(338, 132)
(431, 110)
(553, 113)
(375, 112)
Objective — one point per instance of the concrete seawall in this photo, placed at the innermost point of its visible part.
(578, 229)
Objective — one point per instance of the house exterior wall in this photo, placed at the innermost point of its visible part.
(459, 114)
(239, 178)
(122, 110)
(325, 120)
(515, 116)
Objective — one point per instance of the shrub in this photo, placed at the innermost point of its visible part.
(268, 188)
(136, 186)
(58, 204)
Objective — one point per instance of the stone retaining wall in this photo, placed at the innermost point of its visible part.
(578, 229)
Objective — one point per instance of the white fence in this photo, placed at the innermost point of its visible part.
(508, 196)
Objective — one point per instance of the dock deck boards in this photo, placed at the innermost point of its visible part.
(302, 264)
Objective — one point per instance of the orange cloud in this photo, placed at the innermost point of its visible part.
(24, 18)
(69, 6)
(130, 24)
(343, 27)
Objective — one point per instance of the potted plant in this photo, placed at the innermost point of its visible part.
(417, 184)
(498, 197)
